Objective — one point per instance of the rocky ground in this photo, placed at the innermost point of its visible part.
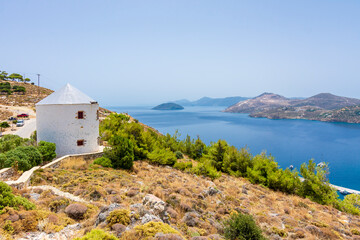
(194, 206)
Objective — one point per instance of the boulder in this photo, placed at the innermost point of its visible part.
(149, 217)
(76, 211)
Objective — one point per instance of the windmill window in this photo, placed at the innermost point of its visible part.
(81, 142)
(80, 114)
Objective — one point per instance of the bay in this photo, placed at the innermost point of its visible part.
(291, 142)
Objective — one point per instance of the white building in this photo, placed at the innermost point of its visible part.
(70, 119)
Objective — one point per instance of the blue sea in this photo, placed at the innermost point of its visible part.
(291, 142)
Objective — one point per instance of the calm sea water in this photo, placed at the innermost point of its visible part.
(291, 142)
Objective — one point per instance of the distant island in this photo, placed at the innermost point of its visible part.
(207, 101)
(168, 106)
(321, 107)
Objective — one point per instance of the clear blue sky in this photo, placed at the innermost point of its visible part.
(147, 52)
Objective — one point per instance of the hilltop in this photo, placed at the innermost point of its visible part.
(322, 107)
(168, 106)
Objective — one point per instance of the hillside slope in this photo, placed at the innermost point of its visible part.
(321, 107)
(195, 205)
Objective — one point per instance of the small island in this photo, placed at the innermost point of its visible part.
(168, 106)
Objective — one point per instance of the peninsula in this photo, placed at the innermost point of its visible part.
(324, 107)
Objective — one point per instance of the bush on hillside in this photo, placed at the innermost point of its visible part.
(2, 160)
(47, 150)
(8, 199)
(9, 142)
(350, 204)
(183, 165)
(23, 158)
(179, 155)
(121, 153)
(97, 234)
(217, 153)
(103, 161)
(315, 185)
(121, 216)
(162, 156)
(242, 227)
(237, 162)
(205, 168)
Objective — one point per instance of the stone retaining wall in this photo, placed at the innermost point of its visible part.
(24, 179)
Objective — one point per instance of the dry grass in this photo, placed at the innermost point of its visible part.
(275, 212)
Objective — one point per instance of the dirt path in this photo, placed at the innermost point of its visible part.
(61, 193)
(30, 124)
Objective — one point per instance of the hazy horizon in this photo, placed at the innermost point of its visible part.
(150, 52)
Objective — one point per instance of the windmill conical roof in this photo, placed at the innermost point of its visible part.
(67, 95)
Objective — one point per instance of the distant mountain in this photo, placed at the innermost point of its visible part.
(168, 106)
(207, 101)
(321, 107)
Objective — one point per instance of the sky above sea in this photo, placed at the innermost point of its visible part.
(149, 52)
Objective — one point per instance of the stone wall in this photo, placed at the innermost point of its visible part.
(24, 179)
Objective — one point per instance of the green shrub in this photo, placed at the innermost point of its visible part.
(97, 234)
(205, 168)
(217, 153)
(121, 153)
(47, 150)
(2, 160)
(119, 216)
(350, 204)
(103, 161)
(315, 185)
(18, 159)
(24, 157)
(179, 155)
(183, 165)
(8, 199)
(162, 156)
(241, 227)
(237, 162)
(148, 230)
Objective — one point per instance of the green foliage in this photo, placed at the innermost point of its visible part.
(2, 160)
(8, 199)
(9, 142)
(47, 150)
(103, 161)
(237, 162)
(162, 156)
(242, 227)
(19, 89)
(97, 234)
(179, 155)
(206, 168)
(315, 185)
(350, 204)
(4, 125)
(183, 165)
(265, 171)
(148, 230)
(23, 157)
(119, 216)
(217, 153)
(121, 153)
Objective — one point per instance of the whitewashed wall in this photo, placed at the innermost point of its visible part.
(59, 124)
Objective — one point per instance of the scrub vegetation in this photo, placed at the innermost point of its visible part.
(213, 160)
(23, 153)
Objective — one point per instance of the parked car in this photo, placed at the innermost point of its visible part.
(23, 115)
(20, 123)
(12, 118)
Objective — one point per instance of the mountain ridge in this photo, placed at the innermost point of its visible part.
(321, 107)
